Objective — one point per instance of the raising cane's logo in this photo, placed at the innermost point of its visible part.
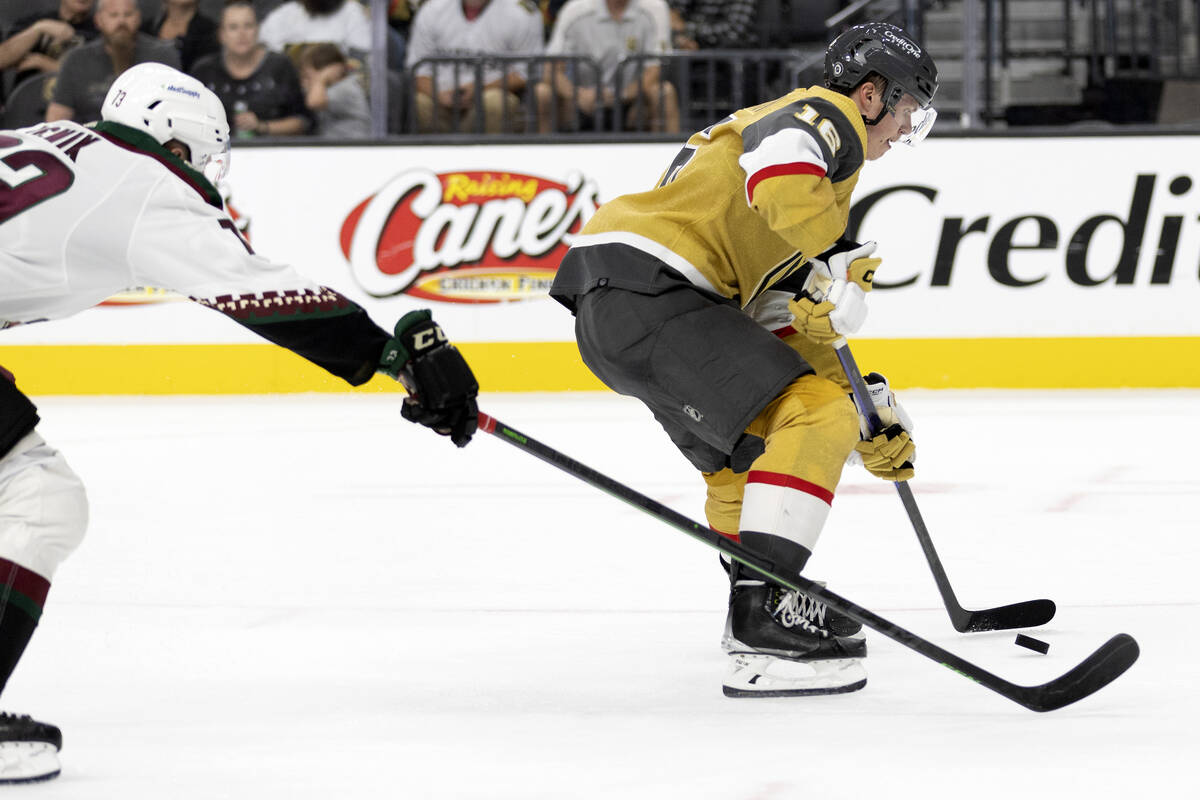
(465, 237)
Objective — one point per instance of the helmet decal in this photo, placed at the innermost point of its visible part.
(887, 50)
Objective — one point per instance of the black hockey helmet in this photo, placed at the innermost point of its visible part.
(888, 50)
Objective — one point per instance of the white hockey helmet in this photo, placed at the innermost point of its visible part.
(167, 104)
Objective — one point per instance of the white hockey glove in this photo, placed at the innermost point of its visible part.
(891, 452)
(834, 300)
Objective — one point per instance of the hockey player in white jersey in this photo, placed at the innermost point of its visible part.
(86, 212)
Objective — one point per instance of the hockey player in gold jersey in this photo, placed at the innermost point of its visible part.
(714, 298)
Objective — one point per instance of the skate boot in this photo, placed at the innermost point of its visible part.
(785, 644)
(841, 626)
(28, 749)
(836, 622)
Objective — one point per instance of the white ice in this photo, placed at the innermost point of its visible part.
(307, 597)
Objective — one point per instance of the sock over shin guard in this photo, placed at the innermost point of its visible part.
(22, 596)
(809, 430)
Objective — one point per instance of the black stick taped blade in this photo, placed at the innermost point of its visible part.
(1028, 614)
(1090, 675)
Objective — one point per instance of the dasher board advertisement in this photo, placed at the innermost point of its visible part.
(1022, 246)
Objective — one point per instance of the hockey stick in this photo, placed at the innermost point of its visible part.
(1028, 614)
(1090, 675)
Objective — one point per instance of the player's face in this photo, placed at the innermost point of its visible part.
(892, 128)
(239, 30)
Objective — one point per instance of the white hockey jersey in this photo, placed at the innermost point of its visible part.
(87, 212)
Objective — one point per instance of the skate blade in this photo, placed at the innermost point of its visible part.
(853, 647)
(761, 675)
(28, 762)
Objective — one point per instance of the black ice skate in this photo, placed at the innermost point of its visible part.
(28, 749)
(785, 644)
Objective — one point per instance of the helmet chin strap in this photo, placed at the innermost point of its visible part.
(884, 111)
(878, 117)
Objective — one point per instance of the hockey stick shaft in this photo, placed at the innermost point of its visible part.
(1017, 615)
(1095, 672)
(866, 407)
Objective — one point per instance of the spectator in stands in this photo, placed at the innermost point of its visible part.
(608, 31)
(180, 23)
(446, 100)
(88, 70)
(550, 9)
(400, 14)
(259, 89)
(342, 22)
(39, 41)
(334, 93)
(712, 24)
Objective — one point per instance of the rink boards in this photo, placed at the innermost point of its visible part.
(1008, 262)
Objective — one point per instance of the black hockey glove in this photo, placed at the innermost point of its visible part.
(441, 387)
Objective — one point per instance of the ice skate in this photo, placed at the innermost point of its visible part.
(785, 644)
(836, 623)
(28, 749)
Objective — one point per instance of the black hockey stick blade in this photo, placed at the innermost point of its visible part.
(1028, 614)
(1099, 669)
(1092, 674)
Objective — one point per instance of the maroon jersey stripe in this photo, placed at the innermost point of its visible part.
(14, 577)
(203, 188)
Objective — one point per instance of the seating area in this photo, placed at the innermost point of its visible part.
(1077, 63)
(703, 85)
(1003, 63)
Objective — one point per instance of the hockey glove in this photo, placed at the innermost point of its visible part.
(833, 302)
(890, 453)
(441, 387)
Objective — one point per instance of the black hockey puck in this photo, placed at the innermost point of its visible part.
(1032, 643)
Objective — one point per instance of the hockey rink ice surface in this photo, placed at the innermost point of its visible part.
(308, 597)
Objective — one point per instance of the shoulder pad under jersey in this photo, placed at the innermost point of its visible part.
(836, 135)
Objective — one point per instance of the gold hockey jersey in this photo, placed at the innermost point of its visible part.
(749, 199)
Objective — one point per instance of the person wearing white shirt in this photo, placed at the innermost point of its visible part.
(342, 22)
(446, 96)
(607, 31)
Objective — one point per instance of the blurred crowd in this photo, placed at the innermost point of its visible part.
(301, 67)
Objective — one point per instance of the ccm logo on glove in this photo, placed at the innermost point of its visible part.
(442, 388)
(423, 340)
(834, 300)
